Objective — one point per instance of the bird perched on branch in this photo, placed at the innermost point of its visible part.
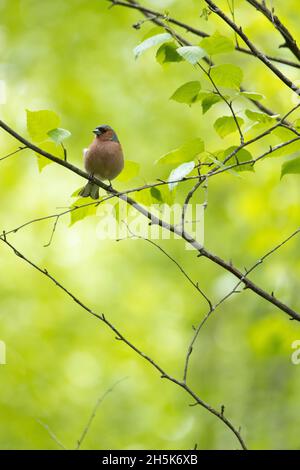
(103, 159)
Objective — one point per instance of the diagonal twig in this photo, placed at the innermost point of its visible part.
(119, 336)
(94, 412)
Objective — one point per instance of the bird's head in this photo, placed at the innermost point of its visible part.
(105, 132)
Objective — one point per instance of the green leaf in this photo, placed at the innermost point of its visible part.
(82, 212)
(151, 42)
(217, 44)
(154, 31)
(191, 54)
(290, 149)
(292, 167)
(297, 123)
(58, 135)
(76, 192)
(49, 147)
(257, 116)
(156, 194)
(185, 153)
(252, 95)
(209, 100)
(283, 134)
(179, 173)
(119, 211)
(143, 197)
(130, 171)
(40, 122)
(226, 125)
(227, 75)
(168, 53)
(187, 93)
(241, 156)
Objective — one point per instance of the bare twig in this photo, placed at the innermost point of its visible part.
(154, 15)
(289, 40)
(12, 153)
(51, 434)
(94, 412)
(214, 8)
(121, 337)
(229, 294)
(193, 283)
(158, 19)
(156, 220)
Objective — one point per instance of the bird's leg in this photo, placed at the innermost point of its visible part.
(110, 185)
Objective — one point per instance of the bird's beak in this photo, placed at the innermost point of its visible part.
(96, 131)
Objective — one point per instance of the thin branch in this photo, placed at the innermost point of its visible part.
(158, 20)
(161, 223)
(214, 8)
(154, 15)
(193, 283)
(53, 231)
(51, 434)
(263, 134)
(94, 412)
(279, 60)
(119, 336)
(229, 294)
(188, 199)
(290, 41)
(12, 153)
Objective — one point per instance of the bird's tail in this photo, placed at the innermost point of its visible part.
(90, 190)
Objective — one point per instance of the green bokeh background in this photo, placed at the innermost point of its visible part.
(76, 58)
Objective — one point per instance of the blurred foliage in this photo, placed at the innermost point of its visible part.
(76, 58)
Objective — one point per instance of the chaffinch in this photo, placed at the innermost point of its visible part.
(103, 159)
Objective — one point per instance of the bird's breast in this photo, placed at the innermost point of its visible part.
(104, 159)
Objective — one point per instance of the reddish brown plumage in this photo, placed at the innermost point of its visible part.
(104, 158)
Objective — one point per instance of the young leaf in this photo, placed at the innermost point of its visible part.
(49, 147)
(241, 156)
(42, 162)
(144, 197)
(130, 171)
(252, 95)
(82, 212)
(150, 42)
(156, 194)
(168, 53)
(284, 135)
(179, 173)
(191, 54)
(217, 44)
(292, 167)
(297, 123)
(184, 153)
(227, 75)
(58, 135)
(154, 31)
(226, 125)
(257, 116)
(40, 122)
(187, 93)
(76, 192)
(209, 100)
